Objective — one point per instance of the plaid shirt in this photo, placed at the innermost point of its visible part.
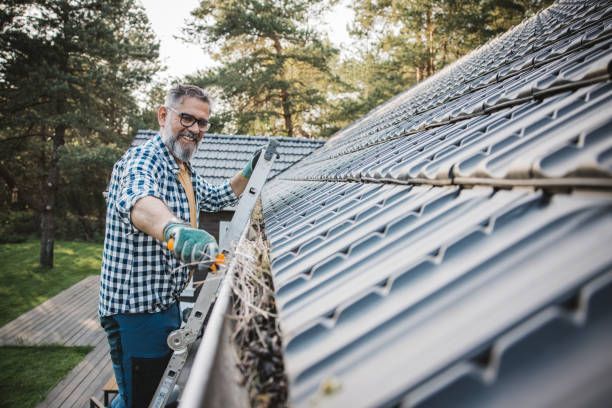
(138, 273)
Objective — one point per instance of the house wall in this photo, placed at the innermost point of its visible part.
(210, 221)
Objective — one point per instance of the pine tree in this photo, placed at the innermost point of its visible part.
(68, 70)
(405, 41)
(274, 73)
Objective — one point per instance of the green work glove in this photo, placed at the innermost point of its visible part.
(189, 244)
(248, 169)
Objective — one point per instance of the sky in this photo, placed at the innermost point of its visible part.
(167, 19)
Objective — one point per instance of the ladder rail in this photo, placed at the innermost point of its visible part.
(182, 340)
(197, 384)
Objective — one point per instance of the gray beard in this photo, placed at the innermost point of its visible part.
(177, 150)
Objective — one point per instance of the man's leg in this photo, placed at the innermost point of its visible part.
(111, 327)
(143, 352)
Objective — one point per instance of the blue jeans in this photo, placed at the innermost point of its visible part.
(139, 352)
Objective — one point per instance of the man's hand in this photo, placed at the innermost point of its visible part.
(248, 169)
(190, 245)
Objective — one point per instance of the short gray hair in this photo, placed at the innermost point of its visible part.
(177, 94)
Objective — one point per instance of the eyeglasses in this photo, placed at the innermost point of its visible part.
(188, 120)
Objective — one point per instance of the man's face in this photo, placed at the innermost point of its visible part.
(182, 141)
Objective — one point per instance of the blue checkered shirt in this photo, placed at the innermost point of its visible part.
(138, 273)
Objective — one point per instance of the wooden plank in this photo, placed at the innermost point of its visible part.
(98, 389)
(100, 393)
(90, 385)
(96, 385)
(72, 382)
(49, 334)
(69, 325)
(65, 297)
(32, 319)
(87, 388)
(87, 325)
(69, 318)
(46, 312)
(58, 319)
(86, 337)
(111, 385)
(64, 317)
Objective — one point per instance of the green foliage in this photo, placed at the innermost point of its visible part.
(27, 374)
(68, 73)
(17, 226)
(25, 285)
(275, 68)
(84, 208)
(373, 79)
(405, 41)
(280, 76)
(83, 59)
(146, 117)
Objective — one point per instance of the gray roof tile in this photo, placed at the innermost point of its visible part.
(404, 273)
(221, 156)
(353, 290)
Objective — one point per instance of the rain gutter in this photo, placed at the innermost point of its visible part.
(214, 343)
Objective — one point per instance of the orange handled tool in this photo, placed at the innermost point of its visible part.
(219, 259)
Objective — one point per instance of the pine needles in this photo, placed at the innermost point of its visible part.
(256, 334)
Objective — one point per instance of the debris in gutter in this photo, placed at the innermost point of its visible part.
(256, 334)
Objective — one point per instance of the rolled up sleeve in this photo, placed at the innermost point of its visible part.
(215, 197)
(137, 181)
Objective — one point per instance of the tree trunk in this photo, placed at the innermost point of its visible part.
(287, 112)
(444, 52)
(430, 45)
(49, 195)
(284, 94)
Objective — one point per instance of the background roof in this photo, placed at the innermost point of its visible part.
(451, 247)
(219, 157)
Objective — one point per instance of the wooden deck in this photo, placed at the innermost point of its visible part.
(68, 319)
(84, 381)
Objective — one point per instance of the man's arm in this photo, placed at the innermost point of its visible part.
(150, 215)
(214, 198)
(238, 183)
(241, 179)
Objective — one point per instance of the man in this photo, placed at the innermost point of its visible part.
(154, 195)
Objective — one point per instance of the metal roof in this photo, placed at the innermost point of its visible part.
(219, 157)
(427, 251)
